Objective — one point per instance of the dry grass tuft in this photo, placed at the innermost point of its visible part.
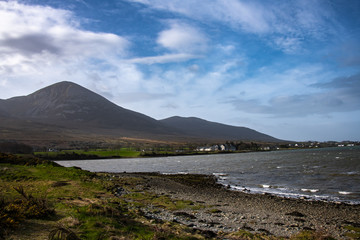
(61, 233)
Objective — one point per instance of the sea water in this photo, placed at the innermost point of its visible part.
(330, 174)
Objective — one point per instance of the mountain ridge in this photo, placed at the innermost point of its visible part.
(207, 129)
(73, 108)
(66, 102)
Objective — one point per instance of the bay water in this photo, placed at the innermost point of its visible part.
(329, 174)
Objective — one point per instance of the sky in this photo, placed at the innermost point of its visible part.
(287, 68)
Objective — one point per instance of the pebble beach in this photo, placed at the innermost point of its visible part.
(229, 211)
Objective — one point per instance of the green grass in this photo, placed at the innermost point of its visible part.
(78, 202)
(123, 152)
(97, 153)
(42, 199)
(354, 232)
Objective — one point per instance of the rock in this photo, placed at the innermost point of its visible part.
(206, 233)
(184, 214)
(212, 224)
(264, 231)
(308, 229)
(295, 214)
(248, 228)
(294, 225)
(175, 220)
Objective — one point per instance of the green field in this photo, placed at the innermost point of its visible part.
(83, 154)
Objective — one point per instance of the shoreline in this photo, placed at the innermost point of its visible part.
(296, 196)
(80, 157)
(229, 211)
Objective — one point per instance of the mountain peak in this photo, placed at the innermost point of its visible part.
(67, 103)
(71, 106)
(64, 90)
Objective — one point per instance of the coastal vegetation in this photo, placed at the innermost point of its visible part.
(45, 200)
(171, 150)
(42, 200)
(87, 154)
(81, 151)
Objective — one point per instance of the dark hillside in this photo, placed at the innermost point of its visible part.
(67, 111)
(67, 103)
(211, 130)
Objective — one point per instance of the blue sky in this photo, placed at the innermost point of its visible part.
(290, 69)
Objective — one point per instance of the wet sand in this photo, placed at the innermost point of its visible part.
(228, 211)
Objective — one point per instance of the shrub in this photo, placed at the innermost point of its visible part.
(10, 216)
(14, 212)
(27, 161)
(33, 207)
(61, 233)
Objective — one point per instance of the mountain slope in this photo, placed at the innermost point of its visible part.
(197, 127)
(67, 111)
(69, 104)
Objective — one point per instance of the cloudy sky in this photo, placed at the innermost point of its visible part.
(290, 69)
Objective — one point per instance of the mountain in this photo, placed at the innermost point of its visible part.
(201, 128)
(67, 102)
(67, 111)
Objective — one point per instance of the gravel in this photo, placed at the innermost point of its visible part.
(229, 211)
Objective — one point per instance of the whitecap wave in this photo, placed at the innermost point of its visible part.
(220, 174)
(344, 193)
(309, 190)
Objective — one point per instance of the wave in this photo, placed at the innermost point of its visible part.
(284, 192)
(310, 190)
(220, 174)
(292, 193)
(344, 193)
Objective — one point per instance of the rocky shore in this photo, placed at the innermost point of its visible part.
(228, 211)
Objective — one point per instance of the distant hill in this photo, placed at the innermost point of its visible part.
(197, 127)
(66, 110)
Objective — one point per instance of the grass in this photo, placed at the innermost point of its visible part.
(245, 235)
(40, 200)
(89, 154)
(123, 152)
(354, 231)
(77, 204)
(311, 235)
(165, 202)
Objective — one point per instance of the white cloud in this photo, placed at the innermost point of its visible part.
(297, 92)
(287, 44)
(32, 33)
(41, 45)
(249, 16)
(289, 21)
(167, 58)
(181, 37)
